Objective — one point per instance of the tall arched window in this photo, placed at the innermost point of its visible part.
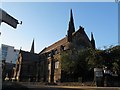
(56, 64)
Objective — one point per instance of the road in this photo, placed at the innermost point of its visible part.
(50, 87)
(18, 86)
(81, 88)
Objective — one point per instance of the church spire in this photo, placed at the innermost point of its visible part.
(92, 41)
(71, 27)
(32, 47)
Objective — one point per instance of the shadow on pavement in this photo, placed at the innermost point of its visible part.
(13, 86)
(54, 89)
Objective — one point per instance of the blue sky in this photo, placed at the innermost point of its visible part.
(48, 22)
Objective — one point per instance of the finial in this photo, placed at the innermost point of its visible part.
(92, 36)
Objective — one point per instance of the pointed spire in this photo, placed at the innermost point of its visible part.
(92, 36)
(71, 27)
(92, 41)
(71, 22)
(71, 16)
(32, 47)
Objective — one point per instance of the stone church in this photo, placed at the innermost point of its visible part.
(74, 39)
(46, 66)
(26, 65)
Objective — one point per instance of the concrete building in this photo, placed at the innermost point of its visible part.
(9, 57)
(9, 54)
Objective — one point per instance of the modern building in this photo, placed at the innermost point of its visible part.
(9, 57)
(9, 54)
(7, 70)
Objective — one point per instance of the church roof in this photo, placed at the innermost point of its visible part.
(82, 31)
(29, 56)
(57, 44)
(64, 41)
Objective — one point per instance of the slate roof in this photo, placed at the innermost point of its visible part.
(55, 45)
(64, 41)
(29, 56)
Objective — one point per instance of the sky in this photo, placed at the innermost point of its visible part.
(47, 22)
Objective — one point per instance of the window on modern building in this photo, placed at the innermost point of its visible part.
(4, 52)
(4, 49)
(56, 64)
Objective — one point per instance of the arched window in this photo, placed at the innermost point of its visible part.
(56, 51)
(56, 64)
(61, 48)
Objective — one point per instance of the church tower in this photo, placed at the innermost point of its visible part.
(92, 41)
(71, 27)
(32, 47)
